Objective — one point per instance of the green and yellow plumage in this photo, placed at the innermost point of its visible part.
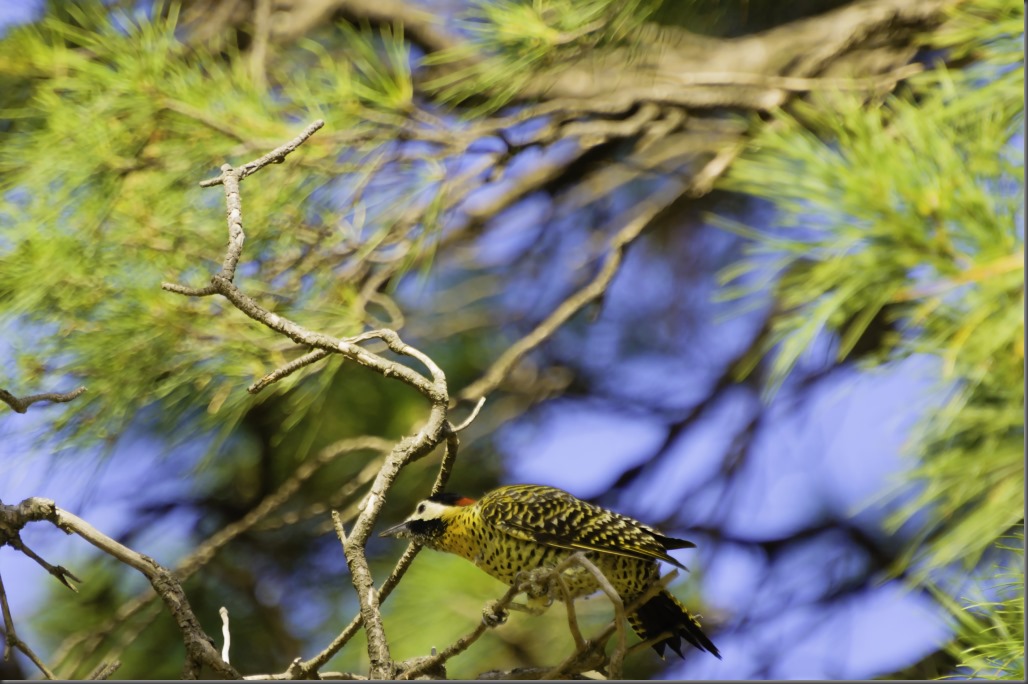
(520, 528)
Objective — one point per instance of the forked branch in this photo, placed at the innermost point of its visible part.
(436, 430)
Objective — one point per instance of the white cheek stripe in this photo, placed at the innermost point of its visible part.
(432, 511)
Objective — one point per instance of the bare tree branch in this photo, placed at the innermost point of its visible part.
(199, 646)
(378, 646)
(406, 451)
(307, 668)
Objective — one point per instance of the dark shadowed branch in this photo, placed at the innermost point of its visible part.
(643, 216)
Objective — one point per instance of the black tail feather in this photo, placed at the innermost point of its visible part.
(672, 543)
(664, 614)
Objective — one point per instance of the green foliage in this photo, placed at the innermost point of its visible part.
(385, 74)
(898, 204)
(912, 209)
(102, 143)
(991, 643)
(988, 31)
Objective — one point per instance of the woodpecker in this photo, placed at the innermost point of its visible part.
(519, 528)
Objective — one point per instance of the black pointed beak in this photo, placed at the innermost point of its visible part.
(400, 530)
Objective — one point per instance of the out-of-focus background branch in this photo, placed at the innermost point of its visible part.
(748, 271)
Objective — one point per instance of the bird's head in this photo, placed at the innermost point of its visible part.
(430, 517)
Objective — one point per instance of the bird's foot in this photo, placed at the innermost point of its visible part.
(533, 606)
(493, 615)
(538, 583)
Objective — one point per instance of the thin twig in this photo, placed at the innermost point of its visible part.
(337, 523)
(588, 658)
(205, 551)
(569, 607)
(189, 291)
(288, 369)
(59, 571)
(21, 405)
(202, 117)
(423, 665)
(699, 184)
(446, 466)
(276, 156)
(643, 645)
(471, 417)
(91, 639)
(336, 500)
(347, 347)
(618, 656)
(654, 589)
(225, 633)
(105, 669)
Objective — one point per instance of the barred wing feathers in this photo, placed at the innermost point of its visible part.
(553, 517)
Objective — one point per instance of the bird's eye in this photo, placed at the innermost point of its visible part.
(421, 508)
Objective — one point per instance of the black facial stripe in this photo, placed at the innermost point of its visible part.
(426, 528)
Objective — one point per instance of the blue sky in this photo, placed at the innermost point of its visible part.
(17, 12)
